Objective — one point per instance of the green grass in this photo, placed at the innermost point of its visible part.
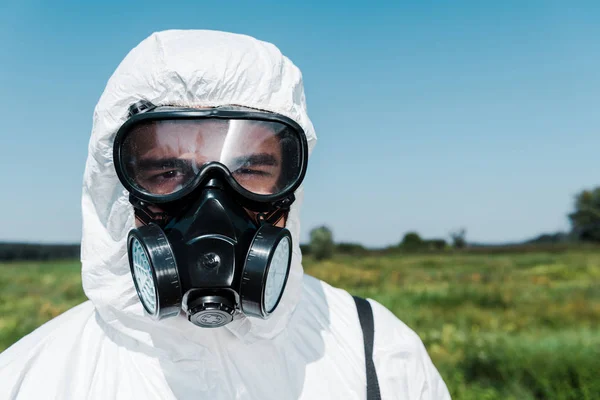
(32, 293)
(501, 326)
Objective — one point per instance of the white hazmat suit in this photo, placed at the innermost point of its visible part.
(106, 348)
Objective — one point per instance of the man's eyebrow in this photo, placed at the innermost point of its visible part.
(160, 163)
(257, 159)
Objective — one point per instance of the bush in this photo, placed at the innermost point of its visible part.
(411, 241)
(351, 248)
(321, 243)
(435, 244)
(29, 251)
(305, 249)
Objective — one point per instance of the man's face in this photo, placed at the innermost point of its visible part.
(167, 155)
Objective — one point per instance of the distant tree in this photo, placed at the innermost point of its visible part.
(459, 238)
(321, 243)
(585, 220)
(411, 241)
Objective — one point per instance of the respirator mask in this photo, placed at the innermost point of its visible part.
(209, 186)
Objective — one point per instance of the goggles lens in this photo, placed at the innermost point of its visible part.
(162, 157)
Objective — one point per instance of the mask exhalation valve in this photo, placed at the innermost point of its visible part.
(210, 311)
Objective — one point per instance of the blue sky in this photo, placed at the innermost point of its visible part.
(431, 115)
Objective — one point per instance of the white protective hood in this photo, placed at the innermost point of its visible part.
(193, 69)
(106, 348)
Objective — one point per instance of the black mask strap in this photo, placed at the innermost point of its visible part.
(279, 211)
(145, 215)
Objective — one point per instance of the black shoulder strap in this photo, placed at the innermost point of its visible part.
(365, 315)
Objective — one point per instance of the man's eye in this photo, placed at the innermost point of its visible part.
(250, 171)
(171, 174)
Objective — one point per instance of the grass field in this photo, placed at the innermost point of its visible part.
(502, 326)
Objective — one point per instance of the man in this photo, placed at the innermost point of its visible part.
(190, 249)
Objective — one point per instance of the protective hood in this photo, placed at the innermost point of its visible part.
(191, 69)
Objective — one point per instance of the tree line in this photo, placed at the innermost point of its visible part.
(585, 228)
(41, 252)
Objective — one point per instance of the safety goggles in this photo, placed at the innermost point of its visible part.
(161, 154)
